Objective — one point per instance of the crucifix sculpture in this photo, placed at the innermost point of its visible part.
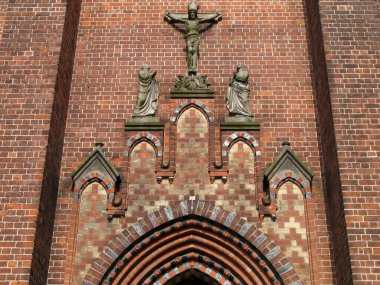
(192, 22)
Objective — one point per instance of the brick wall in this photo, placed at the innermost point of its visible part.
(269, 37)
(351, 34)
(54, 148)
(94, 230)
(280, 51)
(291, 225)
(328, 145)
(3, 14)
(29, 50)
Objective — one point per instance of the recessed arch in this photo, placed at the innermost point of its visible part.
(287, 167)
(236, 137)
(291, 179)
(191, 235)
(95, 178)
(97, 168)
(92, 203)
(198, 105)
(147, 137)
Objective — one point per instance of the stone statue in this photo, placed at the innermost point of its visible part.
(238, 93)
(148, 93)
(192, 31)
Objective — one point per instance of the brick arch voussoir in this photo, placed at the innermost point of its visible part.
(179, 266)
(239, 137)
(147, 137)
(289, 176)
(93, 177)
(214, 219)
(198, 105)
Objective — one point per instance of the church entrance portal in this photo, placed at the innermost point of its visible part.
(181, 247)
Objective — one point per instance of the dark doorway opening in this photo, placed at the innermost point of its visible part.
(192, 281)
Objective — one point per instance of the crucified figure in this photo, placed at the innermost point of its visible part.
(192, 22)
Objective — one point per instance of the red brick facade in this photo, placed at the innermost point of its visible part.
(189, 196)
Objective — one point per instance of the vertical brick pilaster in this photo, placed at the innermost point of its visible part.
(351, 33)
(50, 180)
(334, 195)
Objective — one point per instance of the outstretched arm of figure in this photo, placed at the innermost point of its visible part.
(172, 18)
(213, 18)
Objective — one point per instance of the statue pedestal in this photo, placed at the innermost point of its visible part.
(192, 86)
(240, 119)
(144, 124)
(239, 123)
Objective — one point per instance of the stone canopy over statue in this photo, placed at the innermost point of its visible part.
(191, 26)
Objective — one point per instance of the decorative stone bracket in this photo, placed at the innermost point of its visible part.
(96, 168)
(287, 167)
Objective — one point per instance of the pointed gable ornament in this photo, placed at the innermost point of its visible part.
(97, 168)
(287, 168)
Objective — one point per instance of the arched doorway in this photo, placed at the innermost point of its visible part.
(192, 280)
(192, 277)
(179, 245)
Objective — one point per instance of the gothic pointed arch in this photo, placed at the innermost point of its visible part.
(97, 168)
(191, 238)
(287, 168)
(198, 105)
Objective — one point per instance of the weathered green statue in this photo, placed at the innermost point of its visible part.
(192, 31)
(148, 93)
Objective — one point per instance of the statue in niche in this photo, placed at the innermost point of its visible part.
(238, 93)
(192, 23)
(148, 93)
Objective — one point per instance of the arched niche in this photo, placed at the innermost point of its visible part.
(287, 168)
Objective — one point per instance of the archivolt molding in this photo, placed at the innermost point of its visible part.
(191, 236)
(154, 132)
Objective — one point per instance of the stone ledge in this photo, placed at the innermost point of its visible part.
(197, 93)
(240, 125)
(144, 124)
